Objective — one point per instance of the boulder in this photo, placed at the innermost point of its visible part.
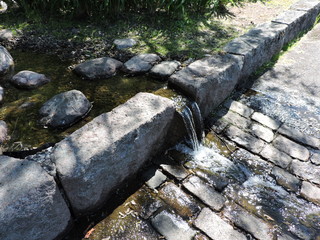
(3, 131)
(6, 35)
(164, 69)
(31, 205)
(6, 61)
(124, 43)
(1, 94)
(29, 80)
(64, 109)
(141, 63)
(3, 7)
(98, 68)
(98, 157)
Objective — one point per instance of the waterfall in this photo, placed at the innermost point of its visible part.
(194, 125)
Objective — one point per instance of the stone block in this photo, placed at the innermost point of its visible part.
(155, 178)
(209, 81)
(31, 205)
(216, 228)
(310, 192)
(306, 170)
(249, 222)
(285, 179)
(257, 46)
(297, 21)
(300, 137)
(239, 108)
(266, 121)
(98, 157)
(262, 132)
(172, 227)
(276, 156)
(234, 119)
(217, 125)
(215, 179)
(315, 158)
(179, 172)
(205, 192)
(244, 139)
(291, 148)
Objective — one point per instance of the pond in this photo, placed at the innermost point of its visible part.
(20, 107)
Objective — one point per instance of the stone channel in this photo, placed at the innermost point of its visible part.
(255, 175)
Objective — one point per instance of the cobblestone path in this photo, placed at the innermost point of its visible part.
(256, 174)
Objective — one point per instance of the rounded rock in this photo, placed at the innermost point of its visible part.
(64, 109)
(3, 131)
(6, 61)
(29, 80)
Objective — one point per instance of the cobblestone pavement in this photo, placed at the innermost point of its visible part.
(256, 174)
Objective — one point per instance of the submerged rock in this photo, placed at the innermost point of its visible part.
(104, 67)
(124, 43)
(3, 131)
(165, 69)
(29, 80)
(141, 63)
(6, 61)
(64, 109)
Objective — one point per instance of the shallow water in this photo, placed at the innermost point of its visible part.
(20, 107)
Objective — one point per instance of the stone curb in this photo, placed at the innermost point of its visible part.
(209, 81)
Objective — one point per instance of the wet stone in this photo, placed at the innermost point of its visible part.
(282, 236)
(215, 179)
(310, 192)
(200, 236)
(315, 158)
(205, 192)
(244, 139)
(291, 148)
(172, 227)
(275, 156)
(216, 228)
(285, 179)
(239, 108)
(262, 132)
(234, 119)
(156, 178)
(306, 170)
(249, 222)
(299, 136)
(217, 125)
(179, 172)
(29, 80)
(183, 204)
(266, 121)
(164, 69)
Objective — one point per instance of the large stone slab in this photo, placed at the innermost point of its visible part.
(99, 156)
(257, 46)
(31, 205)
(209, 81)
(104, 67)
(6, 61)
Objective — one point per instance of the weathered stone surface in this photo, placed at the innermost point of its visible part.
(262, 132)
(31, 205)
(1, 94)
(200, 236)
(141, 63)
(291, 148)
(156, 178)
(178, 200)
(6, 35)
(275, 156)
(64, 109)
(297, 21)
(244, 139)
(209, 81)
(3, 131)
(299, 136)
(250, 223)
(306, 170)
(205, 192)
(3, 7)
(164, 69)
(315, 158)
(234, 119)
(179, 172)
(257, 46)
(124, 43)
(266, 121)
(216, 179)
(239, 108)
(172, 227)
(285, 179)
(310, 192)
(110, 148)
(29, 80)
(217, 124)
(6, 61)
(215, 227)
(104, 67)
